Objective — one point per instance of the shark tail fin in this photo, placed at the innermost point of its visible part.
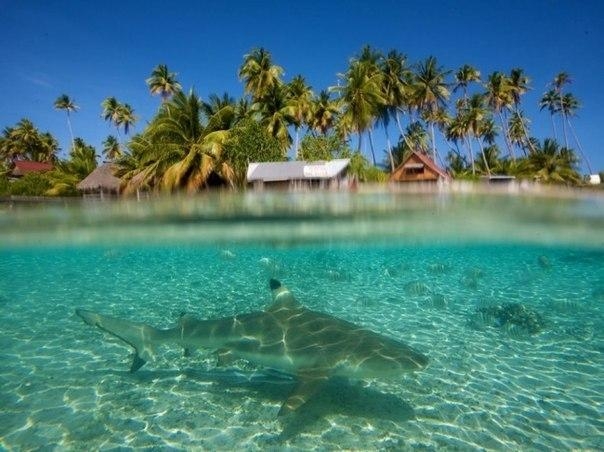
(139, 336)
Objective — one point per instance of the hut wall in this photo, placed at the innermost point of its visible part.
(403, 174)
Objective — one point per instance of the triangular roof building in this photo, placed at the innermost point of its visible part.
(418, 167)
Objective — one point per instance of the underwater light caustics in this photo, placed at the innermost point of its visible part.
(287, 337)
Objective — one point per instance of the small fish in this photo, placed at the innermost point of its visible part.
(544, 262)
(227, 254)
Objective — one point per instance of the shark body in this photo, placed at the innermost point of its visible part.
(287, 337)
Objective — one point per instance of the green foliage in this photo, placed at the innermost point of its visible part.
(553, 164)
(25, 141)
(363, 171)
(414, 139)
(32, 184)
(82, 159)
(324, 147)
(250, 142)
(62, 183)
(458, 165)
(190, 143)
(4, 185)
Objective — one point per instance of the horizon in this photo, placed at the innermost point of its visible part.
(55, 48)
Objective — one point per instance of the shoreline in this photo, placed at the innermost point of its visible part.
(460, 187)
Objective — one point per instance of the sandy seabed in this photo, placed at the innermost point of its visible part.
(66, 386)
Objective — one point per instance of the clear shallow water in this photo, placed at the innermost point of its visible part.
(416, 268)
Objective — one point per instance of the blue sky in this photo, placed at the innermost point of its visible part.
(92, 50)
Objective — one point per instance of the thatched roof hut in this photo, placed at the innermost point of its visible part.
(101, 180)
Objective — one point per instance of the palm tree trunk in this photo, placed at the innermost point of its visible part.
(70, 131)
(564, 121)
(398, 123)
(528, 140)
(433, 142)
(360, 141)
(371, 145)
(296, 144)
(505, 136)
(484, 157)
(403, 135)
(389, 147)
(572, 130)
(551, 115)
(469, 144)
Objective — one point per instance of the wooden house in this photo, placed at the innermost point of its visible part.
(418, 167)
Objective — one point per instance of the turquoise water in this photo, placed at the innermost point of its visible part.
(428, 269)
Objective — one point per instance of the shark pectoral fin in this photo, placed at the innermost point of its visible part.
(308, 384)
(137, 363)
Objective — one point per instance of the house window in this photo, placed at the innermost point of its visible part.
(414, 169)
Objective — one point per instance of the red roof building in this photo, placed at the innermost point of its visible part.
(22, 167)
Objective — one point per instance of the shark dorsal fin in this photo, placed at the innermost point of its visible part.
(282, 297)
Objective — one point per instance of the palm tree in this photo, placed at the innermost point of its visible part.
(479, 125)
(111, 112)
(499, 97)
(551, 101)
(112, 149)
(323, 112)
(560, 80)
(519, 85)
(63, 102)
(276, 114)
(518, 131)
(47, 148)
(396, 84)
(430, 91)
(82, 159)
(464, 76)
(554, 164)
(569, 105)
(163, 82)
(396, 92)
(176, 150)
(361, 98)
(456, 131)
(222, 112)
(259, 74)
(126, 117)
(24, 141)
(415, 139)
(299, 97)
(25, 135)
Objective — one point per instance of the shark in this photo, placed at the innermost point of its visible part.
(310, 345)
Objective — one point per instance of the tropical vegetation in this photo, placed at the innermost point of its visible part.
(193, 143)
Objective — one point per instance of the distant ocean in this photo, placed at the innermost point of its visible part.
(504, 294)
